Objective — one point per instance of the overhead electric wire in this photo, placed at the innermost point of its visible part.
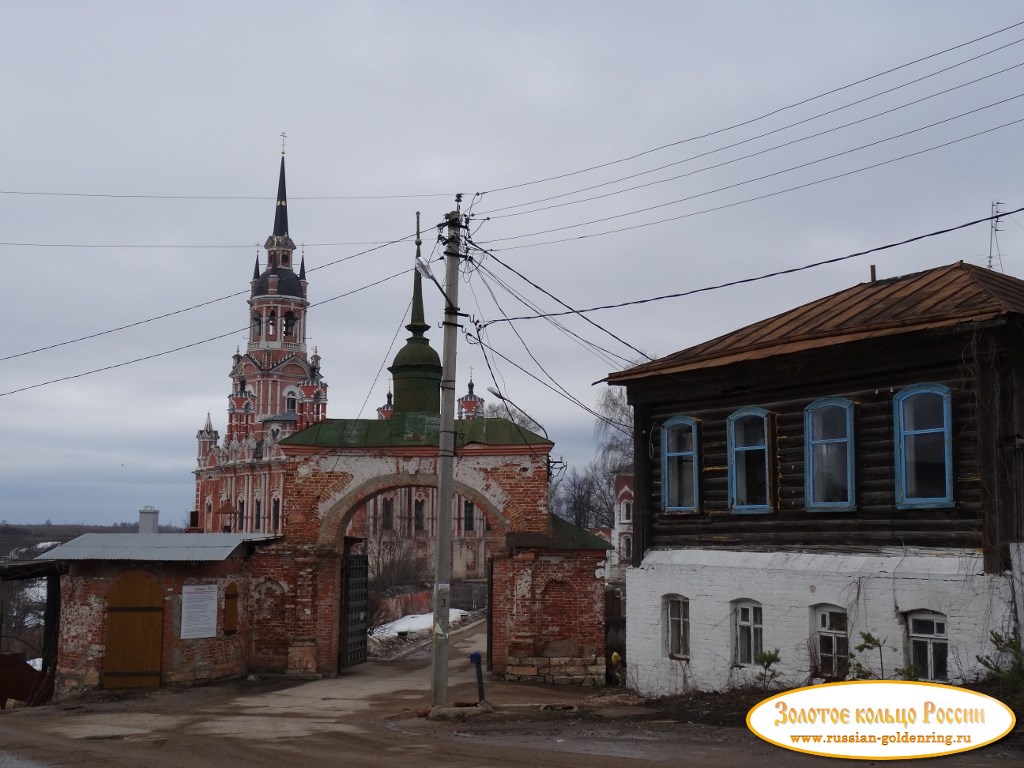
(718, 131)
(186, 346)
(605, 355)
(724, 206)
(773, 174)
(186, 309)
(574, 401)
(550, 295)
(758, 278)
(495, 214)
(748, 121)
(533, 357)
(259, 198)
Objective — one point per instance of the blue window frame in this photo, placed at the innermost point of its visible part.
(923, 439)
(828, 455)
(679, 491)
(747, 431)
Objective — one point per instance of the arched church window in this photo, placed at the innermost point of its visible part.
(257, 323)
(290, 402)
(271, 323)
(289, 324)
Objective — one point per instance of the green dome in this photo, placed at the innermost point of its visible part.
(417, 367)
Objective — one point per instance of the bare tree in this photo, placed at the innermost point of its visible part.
(502, 409)
(614, 431)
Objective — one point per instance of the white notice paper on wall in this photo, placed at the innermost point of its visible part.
(198, 611)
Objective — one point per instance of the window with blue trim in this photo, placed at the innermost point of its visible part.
(924, 453)
(679, 465)
(747, 431)
(828, 454)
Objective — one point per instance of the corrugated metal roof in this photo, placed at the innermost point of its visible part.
(190, 547)
(944, 297)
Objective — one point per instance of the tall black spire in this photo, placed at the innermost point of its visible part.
(281, 216)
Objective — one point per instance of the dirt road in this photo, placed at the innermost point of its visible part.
(369, 717)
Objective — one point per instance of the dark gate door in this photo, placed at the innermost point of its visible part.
(490, 613)
(135, 622)
(353, 614)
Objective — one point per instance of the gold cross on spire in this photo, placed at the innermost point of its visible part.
(283, 137)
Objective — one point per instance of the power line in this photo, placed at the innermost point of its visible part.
(552, 296)
(773, 174)
(758, 278)
(185, 346)
(260, 198)
(184, 309)
(748, 121)
(496, 213)
(737, 203)
(605, 355)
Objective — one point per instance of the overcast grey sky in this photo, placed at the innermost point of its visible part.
(141, 145)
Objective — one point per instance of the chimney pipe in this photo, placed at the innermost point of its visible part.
(149, 520)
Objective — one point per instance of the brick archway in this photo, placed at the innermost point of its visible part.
(341, 510)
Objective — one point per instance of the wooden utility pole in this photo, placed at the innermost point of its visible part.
(446, 460)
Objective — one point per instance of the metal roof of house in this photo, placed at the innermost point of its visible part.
(154, 547)
(560, 534)
(940, 298)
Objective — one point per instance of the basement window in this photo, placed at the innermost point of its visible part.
(928, 646)
(676, 623)
(678, 466)
(828, 455)
(923, 447)
(748, 633)
(747, 432)
(833, 643)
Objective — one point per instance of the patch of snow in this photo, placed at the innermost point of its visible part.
(414, 623)
(44, 545)
(36, 664)
(35, 590)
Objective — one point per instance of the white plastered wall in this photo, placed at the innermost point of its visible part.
(877, 591)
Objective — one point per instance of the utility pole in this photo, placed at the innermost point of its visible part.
(446, 459)
(993, 229)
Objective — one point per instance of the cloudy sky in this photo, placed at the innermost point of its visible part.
(607, 152)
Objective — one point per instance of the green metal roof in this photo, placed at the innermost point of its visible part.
(561, 534)
(411, 429)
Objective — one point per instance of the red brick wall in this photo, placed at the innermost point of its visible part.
(82, 637)
(548, 609)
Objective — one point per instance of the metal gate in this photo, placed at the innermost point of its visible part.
(135, 622)
(353, 613)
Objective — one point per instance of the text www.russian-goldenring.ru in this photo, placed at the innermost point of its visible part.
(948, 739)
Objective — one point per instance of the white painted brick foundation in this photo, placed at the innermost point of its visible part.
(877, 591)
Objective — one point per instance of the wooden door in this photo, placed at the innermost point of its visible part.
(135, 621)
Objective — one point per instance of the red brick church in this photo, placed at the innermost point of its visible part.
(266, 578)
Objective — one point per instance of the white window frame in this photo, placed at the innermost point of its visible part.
(676, 627)
(748, 622)
(920, 638)
(825, 626)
